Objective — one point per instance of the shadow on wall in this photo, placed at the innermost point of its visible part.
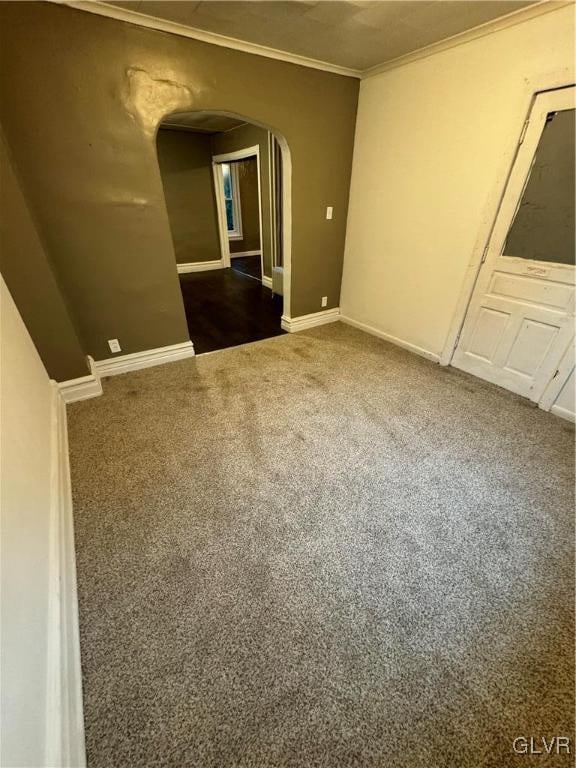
(192, 147)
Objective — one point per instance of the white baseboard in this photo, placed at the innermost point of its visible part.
(199, 266)
(392, 339)
(267, 282)
(239, 254)
(113, 366)
(564, 413)
(64, 717)
(293, 324)
(80, 389)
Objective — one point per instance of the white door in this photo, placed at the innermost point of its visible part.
(520, 320)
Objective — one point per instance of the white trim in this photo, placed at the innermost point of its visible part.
(392, 339)
(267, 281)
(239, 254)
(293, 324)
(199, 266)
(218, 179)
(271, 189)
(80, 389)
(113, 366)
(230, 157)
(239, 154)
(173, 27)
(559, 379)
(461, 38)
(64, 717)
(236, 233)
(564, 413)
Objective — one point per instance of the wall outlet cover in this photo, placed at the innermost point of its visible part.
(114, 345)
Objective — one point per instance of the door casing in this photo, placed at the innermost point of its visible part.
(543, 102)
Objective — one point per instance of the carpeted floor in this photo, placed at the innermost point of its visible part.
(321, 551)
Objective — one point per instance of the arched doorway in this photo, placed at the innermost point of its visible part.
(206, 160)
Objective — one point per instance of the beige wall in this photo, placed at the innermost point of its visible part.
(26, 491)
(434, 141)
(249, 204)
(185, 159)
(241, 138)
(32, 282)
(98, 88)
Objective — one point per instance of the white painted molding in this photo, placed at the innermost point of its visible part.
(151, 22)
(559, 379)
(113, 366)
(223, 239)
(293, 324)
(238, 154)
(267, 282)
(564, 413)
(82, 388)
(239, 254)
(392, 339)
(64, 717)
(144, 20)
(468, 35)
(199, 266)
(231, 157)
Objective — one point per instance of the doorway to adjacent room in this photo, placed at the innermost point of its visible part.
(226, 188)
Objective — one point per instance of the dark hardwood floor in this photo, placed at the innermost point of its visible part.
(248, 265)
(225, 307)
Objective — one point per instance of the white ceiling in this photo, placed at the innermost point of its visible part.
(356, 34)
(201, 121)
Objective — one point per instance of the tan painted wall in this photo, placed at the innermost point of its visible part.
(249, 203)
(98, 88)
(25, 498)
(250, 136)
(434, 141)
(29, 276)
(185, 160)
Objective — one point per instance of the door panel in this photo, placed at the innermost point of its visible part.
(530, 347)
(490, 327)
(520, 319)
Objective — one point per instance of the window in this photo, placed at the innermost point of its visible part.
(232, 200)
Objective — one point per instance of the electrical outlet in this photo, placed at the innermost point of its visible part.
(114, 345)
(329, 212)
(324, 300)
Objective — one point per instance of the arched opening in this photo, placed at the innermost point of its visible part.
(227, 189)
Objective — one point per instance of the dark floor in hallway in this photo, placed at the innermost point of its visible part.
(225, 308)
(248, 265)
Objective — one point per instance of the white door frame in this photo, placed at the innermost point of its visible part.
(554, 100)
(553, 81)
(230, 157)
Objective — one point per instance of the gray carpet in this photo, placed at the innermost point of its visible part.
(321, 551)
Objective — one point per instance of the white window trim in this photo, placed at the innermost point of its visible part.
(236, 233)
(229, 157)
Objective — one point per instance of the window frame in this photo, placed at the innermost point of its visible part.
(236, 233)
